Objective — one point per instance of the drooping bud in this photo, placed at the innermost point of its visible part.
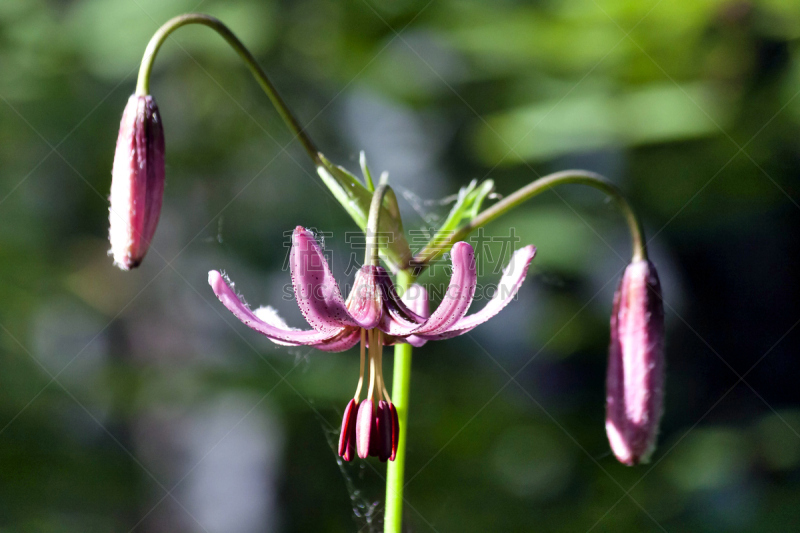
(137, 182)
(635, 381)
(395, 431)
(347, 438)
(366, 430)
(383, 422)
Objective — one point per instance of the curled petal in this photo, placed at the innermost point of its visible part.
(315, 288)
(401, 319)
(404, 307)
(417, 341)
(365, 302)
(417, 299)
(273, 330)
(345, 340)
(513, 276)
(459, 293)
(269, 315)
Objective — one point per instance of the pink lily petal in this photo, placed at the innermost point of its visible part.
(270, 316)
(417, 341)
(272, 330)
(343, 341)
(417, 299)
(365, 302)
(315, 288)
(459, 293)
(401, 319)
(513, 276)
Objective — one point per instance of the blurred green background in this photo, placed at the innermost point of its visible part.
(135, 402)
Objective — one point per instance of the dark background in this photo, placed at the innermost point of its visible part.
(135, 401)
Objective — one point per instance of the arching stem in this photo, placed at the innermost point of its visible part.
(371, 256)
(435, 249)
(143, 82)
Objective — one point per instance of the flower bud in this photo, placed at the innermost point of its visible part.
(635, 381)
(347, 438)
(137, 182)
(366, 430)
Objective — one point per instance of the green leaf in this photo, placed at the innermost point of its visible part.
(362, 159)
(355, 198)
(478, 197)
(467, 206)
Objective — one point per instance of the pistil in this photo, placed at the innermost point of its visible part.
(366, 431)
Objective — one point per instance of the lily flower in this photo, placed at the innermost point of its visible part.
(375, 316)
(373, 303)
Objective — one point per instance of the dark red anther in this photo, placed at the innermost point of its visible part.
(383, 420)
(347, 438)
(374, 438)
(365, 430)
(395, 431)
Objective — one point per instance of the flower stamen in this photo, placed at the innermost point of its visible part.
(373, 371)
(380, 368)
(361, 372)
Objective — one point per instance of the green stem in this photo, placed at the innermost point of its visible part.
(401, 384)
(143, 83)
(439, 246)
(371, 256)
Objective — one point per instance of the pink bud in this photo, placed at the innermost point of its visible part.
(137, 182)
(366, 432)
(635, 381)
(347, 438)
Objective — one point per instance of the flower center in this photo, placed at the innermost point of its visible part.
(371, 427)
